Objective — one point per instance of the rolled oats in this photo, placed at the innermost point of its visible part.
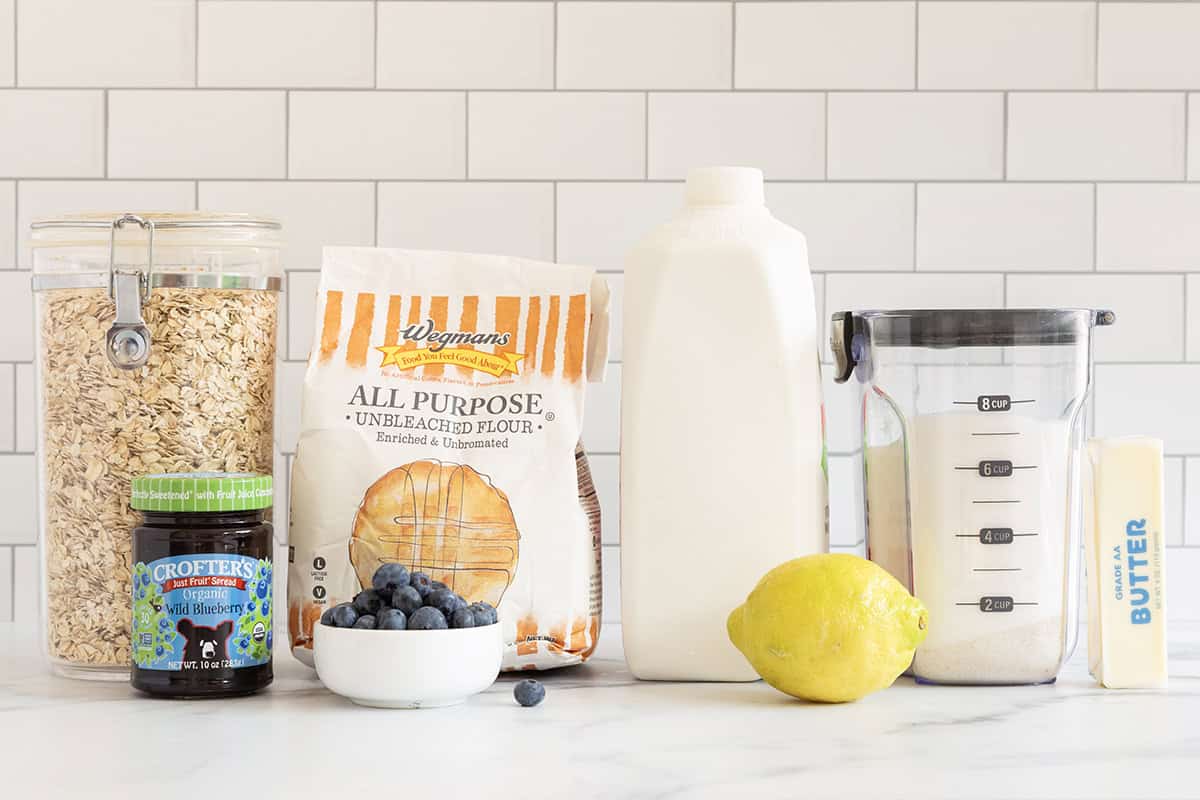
(204, 402)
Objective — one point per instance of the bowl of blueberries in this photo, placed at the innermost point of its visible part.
(407, 641)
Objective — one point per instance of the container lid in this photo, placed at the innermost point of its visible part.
(959, 327)
(99, 243)
(188, 492)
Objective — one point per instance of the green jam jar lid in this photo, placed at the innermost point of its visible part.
(188, 492)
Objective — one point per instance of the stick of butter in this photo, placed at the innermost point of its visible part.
(1124, 547)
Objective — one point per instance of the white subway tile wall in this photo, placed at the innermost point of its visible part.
(939, 154)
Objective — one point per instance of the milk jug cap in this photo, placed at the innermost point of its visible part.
(723, 186)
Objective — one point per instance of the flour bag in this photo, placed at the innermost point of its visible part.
(440, 428)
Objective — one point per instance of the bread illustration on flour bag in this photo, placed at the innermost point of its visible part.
(443, 519)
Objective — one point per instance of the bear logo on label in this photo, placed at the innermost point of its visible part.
(204, 643)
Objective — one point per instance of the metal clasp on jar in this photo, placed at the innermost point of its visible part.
(127, 342)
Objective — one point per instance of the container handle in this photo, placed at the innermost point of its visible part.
(841, 337)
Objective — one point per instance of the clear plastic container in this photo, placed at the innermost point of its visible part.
(972, 427)
(156, 338)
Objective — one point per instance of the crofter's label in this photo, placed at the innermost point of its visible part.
(202, 612)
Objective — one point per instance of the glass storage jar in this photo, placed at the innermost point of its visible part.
(155, 352)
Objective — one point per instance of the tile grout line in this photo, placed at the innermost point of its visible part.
(606, 90)
(825, 144)
(1096, 47)
(1184, 511)
(466, 138)
(916, 46)
(196, 44)
(16, 254)
(915, 224)
(1187, 108)
(554, 221)
(554, 53)
(375, 45)
(12, 584)
(104, 135)
(354, 178)
(1004, 140)
(1095, 227)
(646, 136)
(16, 397)
(1183, 297)
(287, 135)
(733, 46)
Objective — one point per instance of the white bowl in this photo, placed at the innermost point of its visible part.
(407, 669)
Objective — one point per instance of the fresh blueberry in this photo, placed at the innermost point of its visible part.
(366, 621)
(391, 619)
(437, 585)
(463, 618)
(344, 615)
(445, 601)
(327, 617)
(421, 582)
(407, 599)
(529, 692)
(368, 601)
(389, 577)
(261, 591)
(484, 614)
(427, 618)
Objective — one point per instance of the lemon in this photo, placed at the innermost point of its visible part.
(830, 628)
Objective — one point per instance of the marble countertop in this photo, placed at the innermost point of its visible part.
(602, 734)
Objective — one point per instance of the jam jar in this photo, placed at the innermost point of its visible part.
(202, 584)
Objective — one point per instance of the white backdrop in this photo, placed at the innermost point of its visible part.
(937, 153)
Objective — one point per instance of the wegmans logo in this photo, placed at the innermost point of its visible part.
(445, 347)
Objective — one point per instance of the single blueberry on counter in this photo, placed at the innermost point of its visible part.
(366, 622)
(344, 615)
(427, 618)
(407, 599)
(463, 618)
(368, 601)
(421, 582)
(388, 578)
(529, 692)
(391, 619)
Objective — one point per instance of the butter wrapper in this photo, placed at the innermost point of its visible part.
(1125, 548)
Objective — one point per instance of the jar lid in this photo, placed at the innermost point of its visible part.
(193, 249)
(187, 492)
(958, 327)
